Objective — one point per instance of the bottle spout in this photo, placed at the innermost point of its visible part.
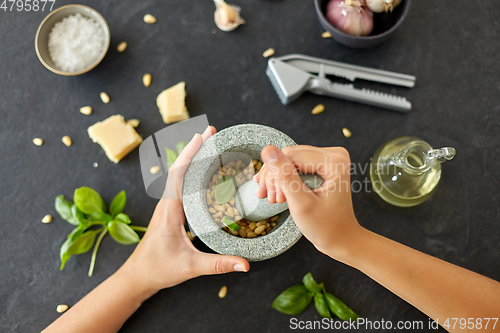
(442, 154)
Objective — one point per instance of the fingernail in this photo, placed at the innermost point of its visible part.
(271, 155)
(194, 136)
(239, 268)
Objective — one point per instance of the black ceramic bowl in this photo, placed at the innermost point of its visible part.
(385, 24)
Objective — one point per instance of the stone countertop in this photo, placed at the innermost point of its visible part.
(450, 46)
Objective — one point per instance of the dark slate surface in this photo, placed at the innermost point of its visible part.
(450, 46)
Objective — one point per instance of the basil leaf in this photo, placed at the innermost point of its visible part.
(171, 157)
(225, 190)
(78, 242)
(88, 200)
(122, 233)
(180, 146)
(310, 284)
(320, 305)
(339, 309)
(124, 218)
(77, 216)
(293, 300)
(101, 216)
(63, 207)
(229, 222)
(118, 204)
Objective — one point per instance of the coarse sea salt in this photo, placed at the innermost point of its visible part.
(76, 43)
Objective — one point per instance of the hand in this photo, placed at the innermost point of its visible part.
(324, 215)
(165, 256)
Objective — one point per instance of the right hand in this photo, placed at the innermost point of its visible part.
(324, 215)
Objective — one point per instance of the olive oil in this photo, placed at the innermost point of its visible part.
(406, 171)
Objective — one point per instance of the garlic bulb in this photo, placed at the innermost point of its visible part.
(379, 6)
(227, 17)
(350, 17)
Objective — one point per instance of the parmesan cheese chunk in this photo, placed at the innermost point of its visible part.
(115, 136)
(171, 104)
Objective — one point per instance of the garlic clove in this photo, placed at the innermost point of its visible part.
(227, 17)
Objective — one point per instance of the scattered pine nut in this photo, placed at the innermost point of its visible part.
(47, 219)
(190, 235)
(318, 109)
(104, 97)
(146, 79)
(95, 165)
(62, 308)
(223, 292)
(267, 53)
(346, 132)
(133, 122)
(154, 170)
(326, 34)
(67, 140)
(121, 47)
(38, 142)
(149, 19)
(86, 110)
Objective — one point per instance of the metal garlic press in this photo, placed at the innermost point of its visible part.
(294, 74)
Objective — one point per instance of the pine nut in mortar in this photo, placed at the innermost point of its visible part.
(221, 213)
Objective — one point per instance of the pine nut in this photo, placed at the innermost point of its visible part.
(267, 53)
(190, 235)
(149, 19)
(346, 132)
(154, 170)
(212, 210)
(274, 218)
(251, 234)
(209, 200)
(47, 219)
(219, 214)
(326, 34)
(121, 47)
(61, 308)
(230, 212)
(104, 97)
(231, 201)
(252, 225)
(260, 229)
(242, 233)
(223, 292)
(146, 80)
(318, 109)
(37, 142)
(133, 122)
(86, 110)
(234, 232)
(67, 140)
(261, 223)
(219, 208)
(273, 224)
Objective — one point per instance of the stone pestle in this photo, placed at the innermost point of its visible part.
(254, 209)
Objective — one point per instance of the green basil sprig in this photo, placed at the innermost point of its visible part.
(295, 299)
(92, 219)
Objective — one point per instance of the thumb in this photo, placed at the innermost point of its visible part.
(209, 264)
(286, 176)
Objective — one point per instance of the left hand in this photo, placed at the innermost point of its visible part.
(165, 256)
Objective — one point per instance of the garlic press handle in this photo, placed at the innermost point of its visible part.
(364, 96)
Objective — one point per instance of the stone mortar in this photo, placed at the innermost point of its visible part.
(249, 139)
